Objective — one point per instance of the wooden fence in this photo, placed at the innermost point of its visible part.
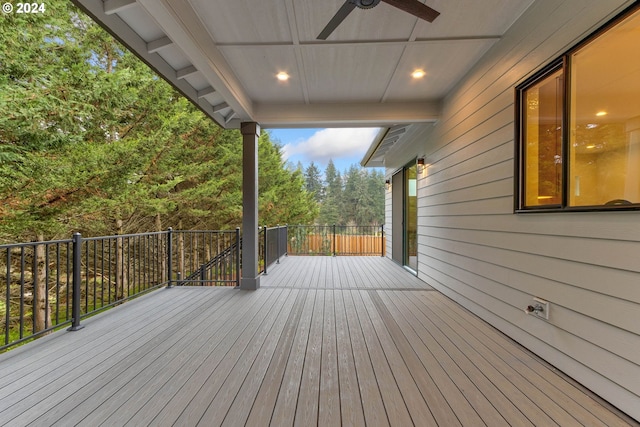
(328, 244)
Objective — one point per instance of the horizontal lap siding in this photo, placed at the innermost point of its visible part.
(388, 232)
(475, 250)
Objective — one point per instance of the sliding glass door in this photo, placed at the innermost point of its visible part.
(404, 198)
(410, 232)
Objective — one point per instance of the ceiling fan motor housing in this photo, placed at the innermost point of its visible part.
(365, 4)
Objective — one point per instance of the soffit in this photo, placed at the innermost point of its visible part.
(224, 55)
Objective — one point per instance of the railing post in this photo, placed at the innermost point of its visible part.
(77, 278)
(334, 240)
(238, 257)
(382, 240)
(170, 256)
(265, 250)
(278, 245)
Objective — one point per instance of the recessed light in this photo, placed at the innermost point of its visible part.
(418, 74)
(601, 113)
(282, 76)
(590, 147)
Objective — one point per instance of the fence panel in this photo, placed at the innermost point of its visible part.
(336, 240)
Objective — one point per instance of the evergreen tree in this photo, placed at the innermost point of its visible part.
(313, 182)
(375, 187)
(92, 141)
(330, 210)
(352, 194)
(283, 197)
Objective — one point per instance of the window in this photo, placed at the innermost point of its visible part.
(579, 126)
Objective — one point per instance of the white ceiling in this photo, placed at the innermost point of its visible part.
(224, 55)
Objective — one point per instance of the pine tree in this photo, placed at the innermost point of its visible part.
(313, 182)
(330, 210)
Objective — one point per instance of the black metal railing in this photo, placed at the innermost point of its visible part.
(215, 261)
(27, 284)
(336, 240)
(272, 246)
(54, 284)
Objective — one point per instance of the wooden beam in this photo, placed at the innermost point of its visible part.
(230, 117)
(206, 91)
(219, 107)
(156, 45)
(116, 6)
(186, 72)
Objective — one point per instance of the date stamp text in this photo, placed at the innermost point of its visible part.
(22, 8)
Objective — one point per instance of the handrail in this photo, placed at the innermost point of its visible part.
(53, 284)
(273, 245)
(223, 268)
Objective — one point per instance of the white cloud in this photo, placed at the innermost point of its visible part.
(333, 144)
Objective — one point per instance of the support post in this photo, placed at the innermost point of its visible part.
(278, 245)
(334, 240)
(265, 250)
(238, 246)
(170, 257)
(77, 279)
(382, 240)
(286, 240)
(250, 247)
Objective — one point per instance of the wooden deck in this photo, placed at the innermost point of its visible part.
(326, 341)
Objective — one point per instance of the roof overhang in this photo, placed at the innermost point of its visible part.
(223, 55)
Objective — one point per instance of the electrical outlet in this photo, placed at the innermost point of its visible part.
(539, 308)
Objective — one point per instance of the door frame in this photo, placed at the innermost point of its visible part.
(399, 217)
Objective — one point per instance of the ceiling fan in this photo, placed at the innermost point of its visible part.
(413, 7)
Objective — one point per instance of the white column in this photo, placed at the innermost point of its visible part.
(250, 273)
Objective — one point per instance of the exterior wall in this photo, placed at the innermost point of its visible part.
(474, 249)
(388, 229)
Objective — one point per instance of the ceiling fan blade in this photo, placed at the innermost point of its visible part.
(337, 19)
(415, 8)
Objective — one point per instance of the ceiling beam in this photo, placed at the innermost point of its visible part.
(156, 45)
(186, 72)
(117, 6)
(123, 32)
(206, 91)
(346, 115)
(219, 107)
(359, 43)
(182, 24)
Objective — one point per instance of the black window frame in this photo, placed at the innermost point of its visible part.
(560, 63)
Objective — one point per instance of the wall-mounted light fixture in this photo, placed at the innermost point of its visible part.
(421, 165)
(387, 184)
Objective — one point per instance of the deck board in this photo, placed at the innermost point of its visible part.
(325, 341)
(287, 400)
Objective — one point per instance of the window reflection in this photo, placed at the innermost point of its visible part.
(604, 131)
(543, 136)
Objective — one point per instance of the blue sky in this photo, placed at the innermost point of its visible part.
(345, 146)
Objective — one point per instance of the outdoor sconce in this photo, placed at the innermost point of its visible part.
(387, 184)
(421, 165)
